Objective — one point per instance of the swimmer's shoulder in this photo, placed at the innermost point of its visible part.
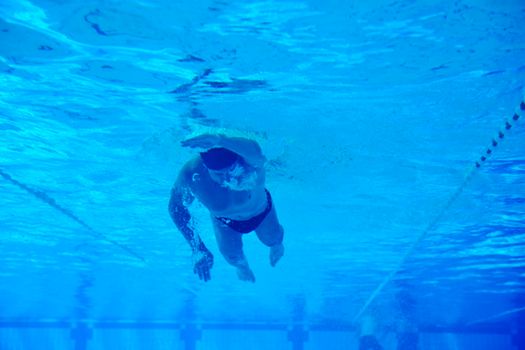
(192, 168)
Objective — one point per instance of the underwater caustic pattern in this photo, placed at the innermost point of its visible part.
(394, 134)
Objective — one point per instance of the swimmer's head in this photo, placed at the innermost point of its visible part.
(229, 169)
(219, 158)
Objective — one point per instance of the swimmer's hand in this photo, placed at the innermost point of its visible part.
(205, 141)
(202, 264)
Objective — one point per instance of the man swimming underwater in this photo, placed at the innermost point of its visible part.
(228, 179)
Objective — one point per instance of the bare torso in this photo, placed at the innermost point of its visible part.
(222, 201)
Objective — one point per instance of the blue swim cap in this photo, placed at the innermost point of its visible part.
(219, 158)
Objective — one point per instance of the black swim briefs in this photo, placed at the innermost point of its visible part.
(246, 226)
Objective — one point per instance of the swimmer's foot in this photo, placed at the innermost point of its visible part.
(276, 253)
(245, 273)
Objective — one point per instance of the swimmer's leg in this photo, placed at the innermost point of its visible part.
(271, 233)
(230, 246)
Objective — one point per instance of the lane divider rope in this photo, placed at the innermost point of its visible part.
(44, 197)
(509, 123)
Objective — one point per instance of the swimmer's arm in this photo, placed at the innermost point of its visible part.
(246, 148)
(181, 197)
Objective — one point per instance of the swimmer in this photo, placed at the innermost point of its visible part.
(228, 178)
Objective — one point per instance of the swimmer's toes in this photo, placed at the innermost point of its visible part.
(276, 253)
(245, 274)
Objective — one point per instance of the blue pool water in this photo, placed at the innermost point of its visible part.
(372, 116)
